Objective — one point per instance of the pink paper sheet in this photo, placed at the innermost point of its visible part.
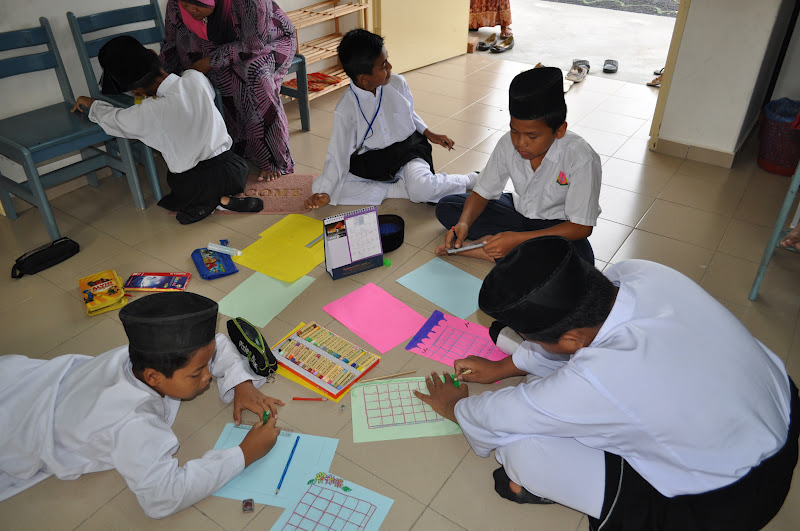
(376, 317)
(446, 338)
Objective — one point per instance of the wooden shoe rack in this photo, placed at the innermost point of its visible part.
(325, 47)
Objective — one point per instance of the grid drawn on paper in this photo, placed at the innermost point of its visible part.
(394, 404)
(322, 507)
(454, 344)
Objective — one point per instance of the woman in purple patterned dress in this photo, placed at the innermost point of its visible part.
(245, 47)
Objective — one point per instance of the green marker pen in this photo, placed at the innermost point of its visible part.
(455, 382)
(266, 416)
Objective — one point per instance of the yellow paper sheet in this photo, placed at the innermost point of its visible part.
(281, 251)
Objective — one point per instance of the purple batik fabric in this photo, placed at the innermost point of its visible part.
(248, 72)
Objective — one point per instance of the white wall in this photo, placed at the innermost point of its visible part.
(31, 91)
(788, 85)
(714, 95)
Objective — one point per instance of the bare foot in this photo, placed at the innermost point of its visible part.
(792, 239)
(516, 489)
(268, 175)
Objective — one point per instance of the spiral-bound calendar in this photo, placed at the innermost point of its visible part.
(352, 242)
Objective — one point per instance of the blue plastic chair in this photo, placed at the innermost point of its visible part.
(43, 134)
(301, 92)
(89, 48)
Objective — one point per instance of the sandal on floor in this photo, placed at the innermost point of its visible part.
(488, 43)
(656, 82)
(658, 72)
(610, 66)
(245, 204)
(576, 74)
(502, 488)
(582, 62)
(503, 45)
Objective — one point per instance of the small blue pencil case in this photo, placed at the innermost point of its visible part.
(211, 264)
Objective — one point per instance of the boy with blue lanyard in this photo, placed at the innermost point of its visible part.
(379, 147)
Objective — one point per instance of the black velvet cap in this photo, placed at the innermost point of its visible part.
(167, 323)
(535, 285)
(126, 60)
(536, 92)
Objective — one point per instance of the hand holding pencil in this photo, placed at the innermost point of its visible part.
(260, 440)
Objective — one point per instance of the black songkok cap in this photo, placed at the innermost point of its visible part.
(168, 323)
(536, 92)
(126, 60)
(535, 285)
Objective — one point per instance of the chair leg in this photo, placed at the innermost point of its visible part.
(776, 233)
(144, 155)
(41, 198)
(302, 97)
(5, 200)
(129, 165)
(92, 175)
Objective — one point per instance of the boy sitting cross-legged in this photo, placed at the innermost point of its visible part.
(379, 147)
(556, 177)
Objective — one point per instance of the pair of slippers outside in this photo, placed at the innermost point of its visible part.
(496, 43)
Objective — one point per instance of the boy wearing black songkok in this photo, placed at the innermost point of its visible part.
(178, 118)
(556, 177)
(77, 414)
(646, 403)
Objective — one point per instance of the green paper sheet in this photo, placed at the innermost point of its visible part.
(387, 410)
(261, 298)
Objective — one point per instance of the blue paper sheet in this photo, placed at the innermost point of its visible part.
(260, 298)
(260, 479)
(330, 502)
(446, 286)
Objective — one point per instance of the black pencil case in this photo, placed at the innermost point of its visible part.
(45, 256)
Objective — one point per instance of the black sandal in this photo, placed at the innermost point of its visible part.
(502, 488)
(245, 204)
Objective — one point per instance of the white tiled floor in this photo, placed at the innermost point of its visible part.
(707, 222)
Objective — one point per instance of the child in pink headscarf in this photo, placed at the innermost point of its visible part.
(245, 47)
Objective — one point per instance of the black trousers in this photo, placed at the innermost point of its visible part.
(203, 185)
(748, 504)
(500, 216)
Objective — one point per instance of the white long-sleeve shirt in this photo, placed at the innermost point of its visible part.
(77, 414)
(181, 122)
(673, 383)
(394, 122)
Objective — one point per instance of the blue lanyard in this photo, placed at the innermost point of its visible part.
(370, 130)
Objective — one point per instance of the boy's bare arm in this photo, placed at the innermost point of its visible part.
(443, 140)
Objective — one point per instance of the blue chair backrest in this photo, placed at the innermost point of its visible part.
(34, 61)
(81, 26)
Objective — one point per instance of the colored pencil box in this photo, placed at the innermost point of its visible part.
(211, 264)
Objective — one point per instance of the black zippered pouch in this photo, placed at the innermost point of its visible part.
(45, 256)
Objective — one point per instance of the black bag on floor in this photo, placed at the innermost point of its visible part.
(45, 256)
(253, 346)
